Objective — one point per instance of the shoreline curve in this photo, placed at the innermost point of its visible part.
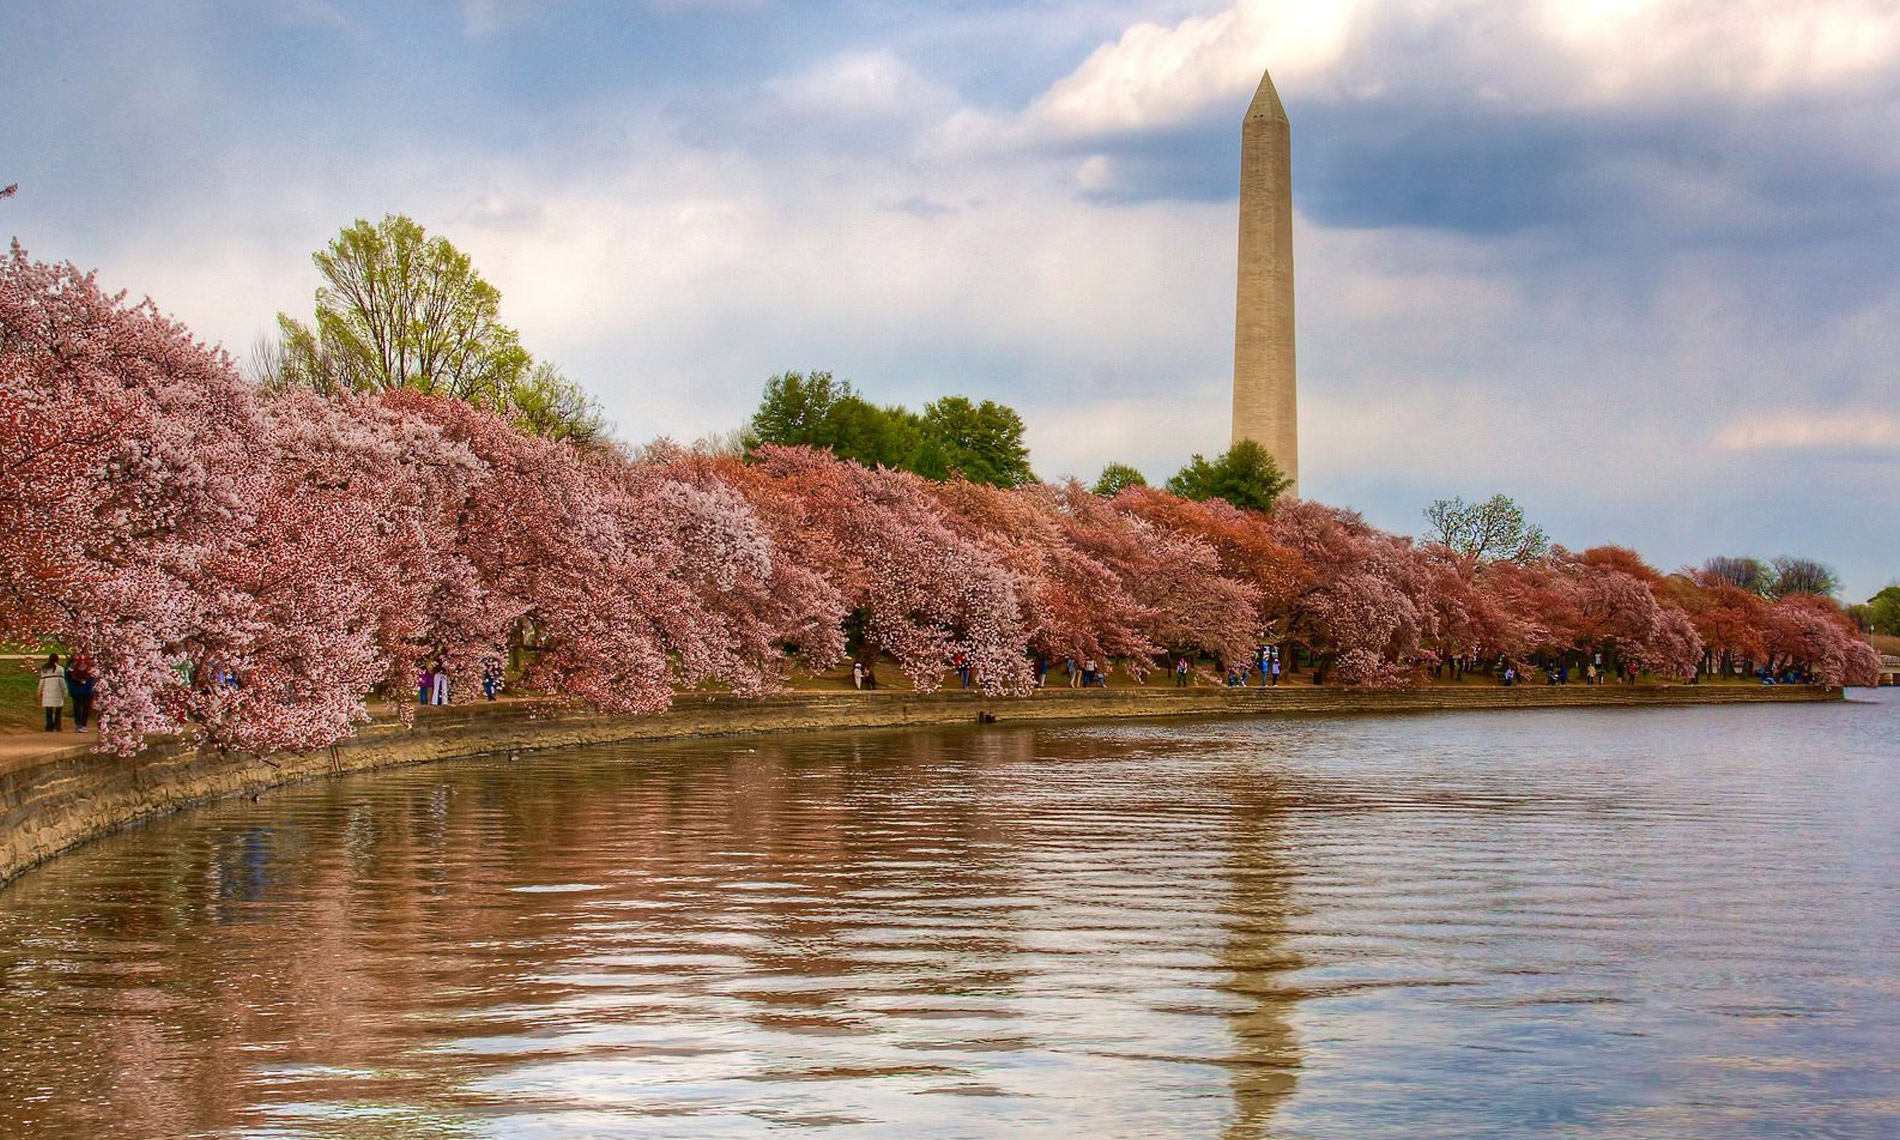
(55, 802)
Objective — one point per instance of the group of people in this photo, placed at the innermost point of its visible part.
(1560, 674)
(1082, 675)
(74, 681)
(1267, 662)
(1085, 675)
(432, 682)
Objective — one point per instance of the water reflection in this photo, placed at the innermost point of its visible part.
(1447, 925)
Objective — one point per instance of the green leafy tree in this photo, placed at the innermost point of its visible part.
(819, 410)
(796, 409)
(1116, 476)
(401, 309)
(1492, 531)
(1751, 574)
(1883, 611)
(874, 436)
(1803, 576)
(547, 403)
(1245, 475)
(982, 442)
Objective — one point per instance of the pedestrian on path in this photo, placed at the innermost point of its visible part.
(439, 694)
(80, 680)
(1276, 670)
(425, 681)
(857, 674)
(491, 678)
(53, 691)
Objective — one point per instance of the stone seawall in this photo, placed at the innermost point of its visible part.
(61, 799)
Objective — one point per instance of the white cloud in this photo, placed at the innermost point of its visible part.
(1798, 430)
(866, 84)
(1548, 53)
(1158, 76)
(1640, 48)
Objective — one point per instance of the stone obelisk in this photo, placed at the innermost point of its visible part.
(1264, 407)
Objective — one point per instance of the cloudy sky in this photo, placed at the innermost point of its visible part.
(1635, 262)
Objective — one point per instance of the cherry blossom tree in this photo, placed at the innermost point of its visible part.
(1371, 607)
(926, 593)
(1174, 575)
(1812, 632)
(250, 570)
(1074, 605)
(127, 454)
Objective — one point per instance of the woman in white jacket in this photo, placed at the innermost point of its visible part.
(52, 691)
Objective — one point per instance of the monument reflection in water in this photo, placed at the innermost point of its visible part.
(1658, 923)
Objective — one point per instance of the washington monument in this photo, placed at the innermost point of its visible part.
(1264, 409)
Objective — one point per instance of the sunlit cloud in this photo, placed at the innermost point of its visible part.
(1807, 431)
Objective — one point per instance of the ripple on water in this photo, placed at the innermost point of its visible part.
(1667, 923)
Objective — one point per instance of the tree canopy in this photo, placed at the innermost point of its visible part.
(982, 442)
(1115, 477)
(1803, 576)
(1741, 572)
(1783, 577)
(1245, 475)
(546, 403)
(400, 310)
(1883, 611)
(1492, 531)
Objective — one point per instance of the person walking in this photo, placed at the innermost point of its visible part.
(80, 680)
(491, 678)
(1075, 676)
(1276, 670)
(439, 692)
(1181, 673)
(425, 681)
(1088, 672)
(857, 674)
(1590, 674)
(53, 691)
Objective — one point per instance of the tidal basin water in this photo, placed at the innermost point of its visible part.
(1657, 923)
